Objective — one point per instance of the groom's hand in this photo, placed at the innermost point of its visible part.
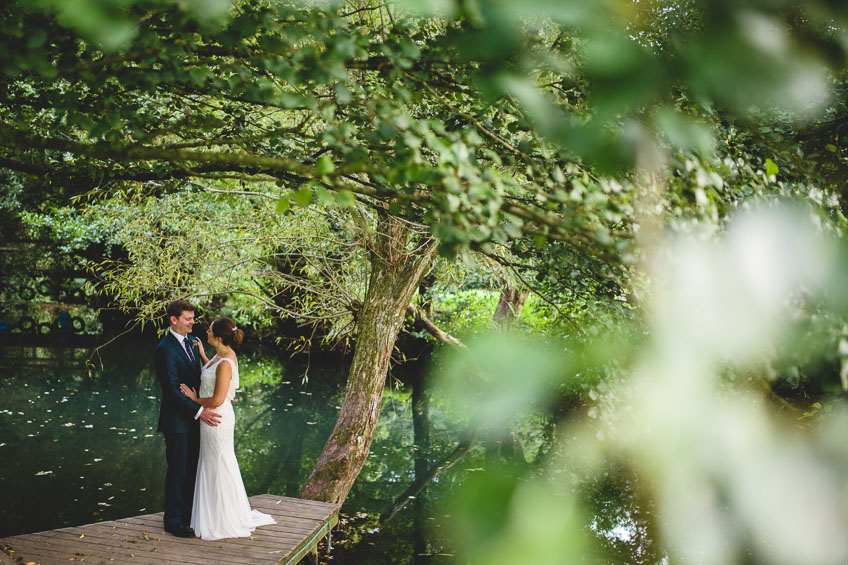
(210, 418)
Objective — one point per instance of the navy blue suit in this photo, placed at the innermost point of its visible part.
(177, 422)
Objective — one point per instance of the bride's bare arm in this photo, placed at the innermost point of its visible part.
(223, 376)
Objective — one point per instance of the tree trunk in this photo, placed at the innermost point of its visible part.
(509, 306)
(396, 271)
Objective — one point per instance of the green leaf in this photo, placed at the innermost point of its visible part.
(408, 48)
(325, 165)
(345, 198)
(283, 204)
(302, 197)
(771, 168)
(324, 196)
(343, 94)
(199, 75)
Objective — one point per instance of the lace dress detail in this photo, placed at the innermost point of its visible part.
(221, 508)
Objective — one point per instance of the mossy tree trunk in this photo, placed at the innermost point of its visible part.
(400, 256)
(509, 306)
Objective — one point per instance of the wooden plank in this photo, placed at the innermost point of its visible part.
(142, 524)
(301, 524)
(265, 532)
(154, 549)
(96, 541)
(264, 500)
(293, 511)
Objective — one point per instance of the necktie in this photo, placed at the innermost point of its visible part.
(188, 350)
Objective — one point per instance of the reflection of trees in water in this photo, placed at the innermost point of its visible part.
(621, 520)
(420, 449)
(282, 426)
(276, 447)
(80, 447)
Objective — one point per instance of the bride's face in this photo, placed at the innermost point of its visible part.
(210, 337)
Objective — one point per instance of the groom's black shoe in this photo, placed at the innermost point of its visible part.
(180, 531)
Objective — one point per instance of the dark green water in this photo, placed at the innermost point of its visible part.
(80, 445)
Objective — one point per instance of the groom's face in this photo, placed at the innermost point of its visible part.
(182, 324)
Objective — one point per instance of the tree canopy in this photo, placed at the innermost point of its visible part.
(560, 140)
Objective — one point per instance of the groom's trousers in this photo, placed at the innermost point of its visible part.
(181, 452)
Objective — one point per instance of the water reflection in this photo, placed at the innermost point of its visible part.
(79, 445)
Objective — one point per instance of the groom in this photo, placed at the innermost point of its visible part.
(177, 361)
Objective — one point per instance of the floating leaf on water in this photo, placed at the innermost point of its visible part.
(40, 473)
(96, 460)
(68, 424)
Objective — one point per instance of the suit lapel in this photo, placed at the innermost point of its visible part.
(180, 352)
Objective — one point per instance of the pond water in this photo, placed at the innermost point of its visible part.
(79, 445)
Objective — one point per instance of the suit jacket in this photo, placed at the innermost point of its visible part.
(176, 415)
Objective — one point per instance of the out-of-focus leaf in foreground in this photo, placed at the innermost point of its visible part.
(722, 475)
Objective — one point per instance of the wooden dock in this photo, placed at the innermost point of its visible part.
(301, 524)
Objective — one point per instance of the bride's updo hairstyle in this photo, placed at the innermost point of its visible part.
(225, 329)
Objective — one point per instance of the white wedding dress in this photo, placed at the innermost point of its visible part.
(220, 508)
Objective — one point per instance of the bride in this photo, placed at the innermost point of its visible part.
(221, 508)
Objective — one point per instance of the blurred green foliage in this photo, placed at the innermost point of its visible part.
(556, 143)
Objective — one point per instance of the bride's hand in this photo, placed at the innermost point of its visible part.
(189, 392)
(200, 348)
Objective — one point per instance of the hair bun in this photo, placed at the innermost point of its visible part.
(227, 330)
